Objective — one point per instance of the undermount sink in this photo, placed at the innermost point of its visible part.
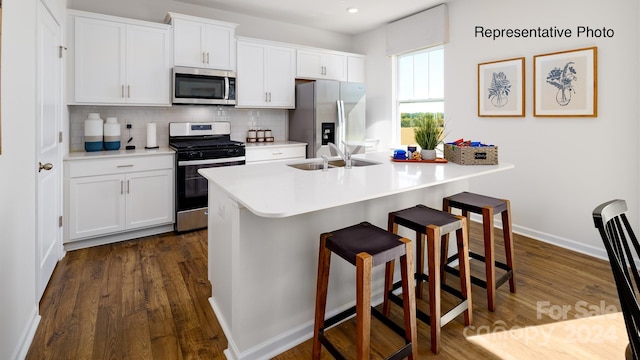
(317, 165)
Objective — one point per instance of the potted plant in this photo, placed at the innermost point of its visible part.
(429, 134)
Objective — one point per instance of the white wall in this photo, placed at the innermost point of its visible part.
(18, 174)
(565, 167)
(250, 26)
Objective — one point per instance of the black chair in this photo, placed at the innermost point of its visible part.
(622, 248)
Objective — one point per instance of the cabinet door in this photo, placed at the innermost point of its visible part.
(251, 75)
(149, 198)
(309, 64)
(188, 40)
(280, 72)
(218, 45)
(148, 65)
(356, 69)
(99, 61)
(96, 205)
(335, 66)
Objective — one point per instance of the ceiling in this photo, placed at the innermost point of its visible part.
(330, 15)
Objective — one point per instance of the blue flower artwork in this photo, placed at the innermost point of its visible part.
(563, 80)
(499, 89)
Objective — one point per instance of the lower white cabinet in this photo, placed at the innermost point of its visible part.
(267, 153)
(109, 196)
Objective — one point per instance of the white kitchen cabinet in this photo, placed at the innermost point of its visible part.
(317, 64)
(266, 75)
(203, 43)
(119, 61)
(356, 69)
(114, 195)
(274, 152)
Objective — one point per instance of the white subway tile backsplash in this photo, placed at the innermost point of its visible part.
(241, 121)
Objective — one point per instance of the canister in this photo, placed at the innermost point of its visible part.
(112, 134)
(93, 132)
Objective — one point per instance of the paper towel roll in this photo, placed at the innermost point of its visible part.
(151, 136)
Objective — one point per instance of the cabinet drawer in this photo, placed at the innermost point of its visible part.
(275, 153)
(119, 165)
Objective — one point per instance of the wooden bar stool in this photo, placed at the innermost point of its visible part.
(435, 225)
(364, 246)
(487, 207)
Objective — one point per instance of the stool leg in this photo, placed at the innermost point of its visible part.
(408, 298)
(419, 263)
(389, 270)
(445, 245)
(364, 264)
(324, 261)
(433, 244)
(508, 244)
(465, 272)
(489, 256)
(388, 286)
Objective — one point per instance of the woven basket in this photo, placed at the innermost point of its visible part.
(470, 155)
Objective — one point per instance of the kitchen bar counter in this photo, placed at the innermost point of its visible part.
(92, 155)
(265, 222)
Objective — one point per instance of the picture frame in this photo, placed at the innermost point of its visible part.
(501, 88)
(565, 83)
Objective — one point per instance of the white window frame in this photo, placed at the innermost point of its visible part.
(394, 93)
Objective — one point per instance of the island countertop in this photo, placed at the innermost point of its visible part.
(275, 190)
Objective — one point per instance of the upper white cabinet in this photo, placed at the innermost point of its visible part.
(356, 68)
(202, 42)
(266, 75)
(118, 61)
(318, 64)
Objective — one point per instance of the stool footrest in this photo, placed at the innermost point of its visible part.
(401, 353)
(426, 318)
(477, 281)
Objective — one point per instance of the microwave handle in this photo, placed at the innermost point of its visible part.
(226, 88)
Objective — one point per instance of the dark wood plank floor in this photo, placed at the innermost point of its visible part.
(148, 299)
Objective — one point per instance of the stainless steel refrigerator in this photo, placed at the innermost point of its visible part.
(329, 111)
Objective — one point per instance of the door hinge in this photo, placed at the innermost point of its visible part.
(60, 50)
(60, 137)
(60, 221)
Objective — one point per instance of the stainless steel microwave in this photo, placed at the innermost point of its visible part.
(203, 86)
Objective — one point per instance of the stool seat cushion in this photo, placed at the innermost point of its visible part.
(419, 217)
(382, 245)
(475, 202)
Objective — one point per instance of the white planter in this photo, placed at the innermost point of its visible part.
(428, 154)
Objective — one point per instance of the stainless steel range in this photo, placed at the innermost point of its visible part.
(199, 146)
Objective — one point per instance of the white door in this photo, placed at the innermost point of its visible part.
(49, 120)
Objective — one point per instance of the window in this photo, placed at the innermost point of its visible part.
(420, 90)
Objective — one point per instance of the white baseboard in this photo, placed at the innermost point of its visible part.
(597, 252)
(27, 335)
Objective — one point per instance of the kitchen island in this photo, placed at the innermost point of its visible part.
(265, 222)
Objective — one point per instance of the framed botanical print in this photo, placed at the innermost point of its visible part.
(501, 87)
(565, 84)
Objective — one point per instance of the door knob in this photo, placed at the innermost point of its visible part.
(47, 166)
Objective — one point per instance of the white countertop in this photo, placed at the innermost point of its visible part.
(277, 190)
(92, 155)
(273, 144)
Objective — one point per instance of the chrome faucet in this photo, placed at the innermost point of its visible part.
(325, 163)
(346, 156)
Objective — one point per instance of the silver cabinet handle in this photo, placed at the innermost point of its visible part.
(121, 187)
(47, 166)
(269, 96)
(122, 90)
(207, 57)
(266, 96)
(128, 186)
(129, 91)
(124, 166)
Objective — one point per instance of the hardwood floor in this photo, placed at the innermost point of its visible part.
(148, 299)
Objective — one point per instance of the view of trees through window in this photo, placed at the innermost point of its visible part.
(420, 89)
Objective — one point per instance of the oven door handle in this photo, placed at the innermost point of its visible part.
(210, 161)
